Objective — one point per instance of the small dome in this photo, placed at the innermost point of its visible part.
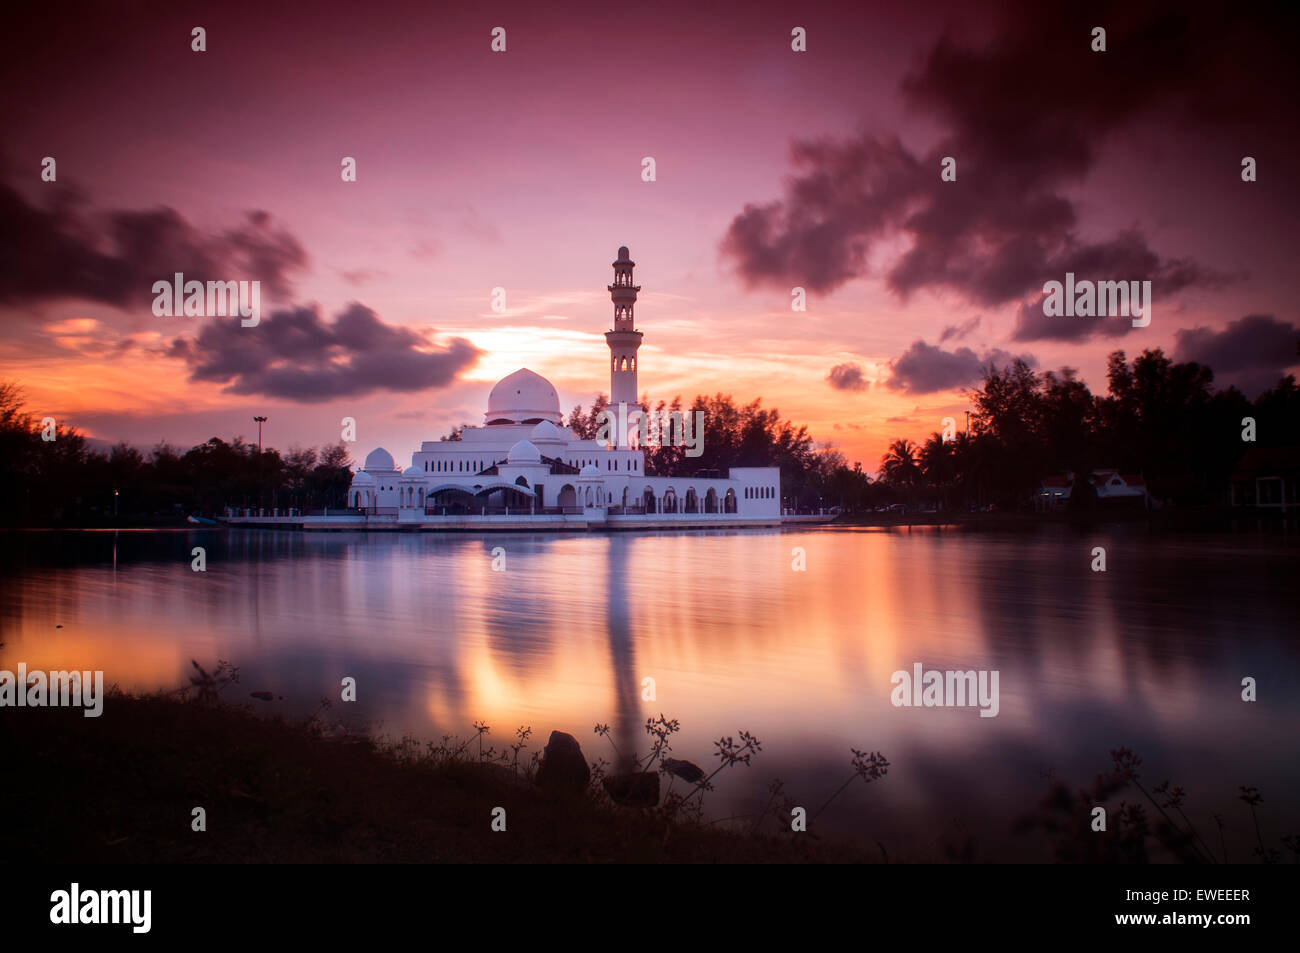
(523, 397)
(524, 452)
(547, 432)
(379, 459)
(362, 478)
(589, 470)
(623, 252)
(412, 471)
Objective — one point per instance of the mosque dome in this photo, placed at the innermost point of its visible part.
(412, 471)
(524, 452)
(589, 470)
(361, 478)
(379, 459)
(547, 432)
(523, 398)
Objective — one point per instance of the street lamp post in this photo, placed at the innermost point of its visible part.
(260, 421)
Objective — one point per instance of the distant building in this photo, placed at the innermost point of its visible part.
(1111, 486)
(1266, 477)
(1053, 493)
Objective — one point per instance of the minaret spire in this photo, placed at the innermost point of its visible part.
(624, 339)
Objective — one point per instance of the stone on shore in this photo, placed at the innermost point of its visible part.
(563, 770)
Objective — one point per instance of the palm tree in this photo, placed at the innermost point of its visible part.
(936, 460)
(899, 465)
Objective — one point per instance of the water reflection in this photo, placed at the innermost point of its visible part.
(1149, 654)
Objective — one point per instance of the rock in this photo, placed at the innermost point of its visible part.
(689, 772)
(563, 769)
(638, 789)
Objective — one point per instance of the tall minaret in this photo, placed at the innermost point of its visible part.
(624, 340)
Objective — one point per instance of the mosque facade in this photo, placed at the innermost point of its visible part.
(523, 466)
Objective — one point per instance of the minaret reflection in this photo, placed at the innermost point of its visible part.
(627, 716)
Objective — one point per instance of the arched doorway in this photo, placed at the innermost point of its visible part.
(498, 499)
(729, 501)
(711, 501)
(451, 501)
(648, 500)
(692, 501)
(670, 500)
(568, 496)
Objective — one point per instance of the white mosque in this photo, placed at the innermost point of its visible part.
(523, 468)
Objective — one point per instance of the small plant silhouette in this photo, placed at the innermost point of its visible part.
(867, 766)
(206, 685)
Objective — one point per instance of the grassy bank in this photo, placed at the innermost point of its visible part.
(120, 789)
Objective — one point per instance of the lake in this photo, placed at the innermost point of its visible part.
(1149, 655)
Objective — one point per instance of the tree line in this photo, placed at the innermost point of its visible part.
(1159, 419)
(64, 481)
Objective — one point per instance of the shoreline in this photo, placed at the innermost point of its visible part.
(122, 788)
(1208, 518)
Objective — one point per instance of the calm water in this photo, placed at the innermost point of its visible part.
(1148, 655)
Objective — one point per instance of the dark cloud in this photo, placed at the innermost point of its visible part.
(1025, 116)
(296, 355)
(67, 250)
(847, 377)
(959, 331)
(1253, 352)
(926, 368)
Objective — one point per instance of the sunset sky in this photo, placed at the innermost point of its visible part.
(522, 169)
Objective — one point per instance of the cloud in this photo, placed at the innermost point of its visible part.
(847, 377)
(296, 355)
(1252, 352)
(360, 276)
(1025, 116)
(113, 257)
(959, 331)
(926, 368)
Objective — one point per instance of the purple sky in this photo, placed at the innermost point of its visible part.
(522, 170)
